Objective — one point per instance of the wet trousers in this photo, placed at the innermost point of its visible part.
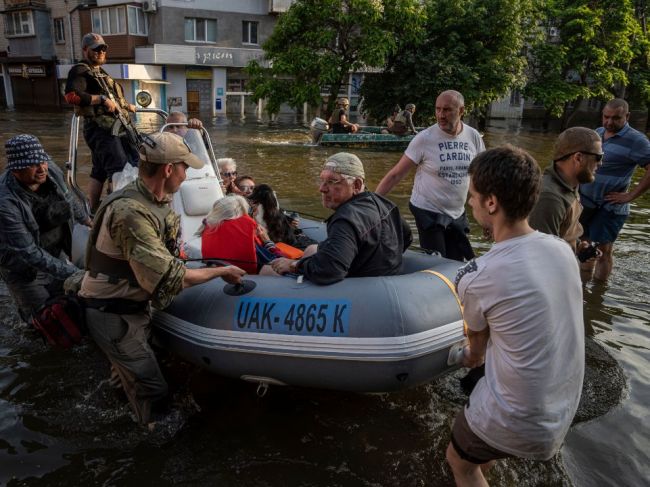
(29, 296)
(125, 341)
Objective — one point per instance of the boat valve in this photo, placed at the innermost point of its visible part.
(262, 389)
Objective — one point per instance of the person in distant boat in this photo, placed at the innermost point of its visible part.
(440, 155)
(366, 236)
(131, 262)
(403, 123)
(391, 119)
(338, 121)
(97, 97)
(606, 200)
(228, 170)
(522, 304)
(37, 213)
(180, 117)
(577, 154)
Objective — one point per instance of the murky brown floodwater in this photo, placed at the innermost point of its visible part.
(60, 424)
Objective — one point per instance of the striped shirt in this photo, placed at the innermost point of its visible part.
(624, 151)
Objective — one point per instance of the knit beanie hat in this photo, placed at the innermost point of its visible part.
(23, 151)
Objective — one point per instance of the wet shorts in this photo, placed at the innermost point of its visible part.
(470, 447)
(600, 225)
(109, 152)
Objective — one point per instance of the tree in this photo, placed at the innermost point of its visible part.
(590, 57)
(317, 43)
(473, 46)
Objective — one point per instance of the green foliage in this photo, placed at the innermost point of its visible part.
(316, 43)
(472, 46)
(600, 50)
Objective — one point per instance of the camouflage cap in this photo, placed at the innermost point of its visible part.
(92, 40)
(346, 164)
(168, 148)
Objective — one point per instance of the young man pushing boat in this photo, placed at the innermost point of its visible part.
(523, 307)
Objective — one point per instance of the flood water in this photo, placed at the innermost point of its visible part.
(61, 424)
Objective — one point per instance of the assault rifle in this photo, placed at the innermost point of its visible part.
(121, 121)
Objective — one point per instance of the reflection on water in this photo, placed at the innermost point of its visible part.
(304, 437)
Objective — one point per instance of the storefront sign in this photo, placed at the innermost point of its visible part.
(198, 73)
(216, 56)
(35, 71)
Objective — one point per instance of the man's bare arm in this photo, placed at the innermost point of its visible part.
(395, 175)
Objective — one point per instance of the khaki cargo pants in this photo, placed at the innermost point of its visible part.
(125, 341)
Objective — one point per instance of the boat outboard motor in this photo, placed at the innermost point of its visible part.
(318, 127)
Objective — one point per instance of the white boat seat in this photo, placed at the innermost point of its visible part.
(198, 196)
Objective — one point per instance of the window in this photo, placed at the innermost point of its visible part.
(138, 24)
(59, 31)
(249, 32)
(200, 30)
(515, 98)
(109, 21)
(19, 23)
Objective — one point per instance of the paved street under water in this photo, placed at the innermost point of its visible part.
(61, 424)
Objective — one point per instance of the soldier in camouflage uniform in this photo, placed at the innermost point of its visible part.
(97, 97)
(131, 261)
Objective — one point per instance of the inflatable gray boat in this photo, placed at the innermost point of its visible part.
(370, 334)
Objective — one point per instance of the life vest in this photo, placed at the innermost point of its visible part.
(232, 241)
(168, 228)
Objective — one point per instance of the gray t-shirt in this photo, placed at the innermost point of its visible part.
(527, 290)
(441, 181)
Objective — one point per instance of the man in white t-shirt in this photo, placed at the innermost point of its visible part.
(523, 307)
(441, 155)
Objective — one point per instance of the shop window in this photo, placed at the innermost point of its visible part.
(138, 24)
(59, 31)
(236, 85)
(109, 21)
(249, 32)
(19, 23)
(200, 30)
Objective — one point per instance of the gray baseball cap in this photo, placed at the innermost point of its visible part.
(92, 40)
(346, 164)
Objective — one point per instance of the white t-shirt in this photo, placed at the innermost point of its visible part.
(441, 180)
(528, 291)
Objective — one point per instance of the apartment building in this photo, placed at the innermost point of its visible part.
(203, 46)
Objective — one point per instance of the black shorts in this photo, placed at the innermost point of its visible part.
(470, 447)
(110, 153)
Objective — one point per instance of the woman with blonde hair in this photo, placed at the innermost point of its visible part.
(229, 233)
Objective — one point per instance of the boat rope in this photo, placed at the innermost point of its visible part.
(451, 286)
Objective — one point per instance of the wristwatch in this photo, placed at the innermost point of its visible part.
(102, 99)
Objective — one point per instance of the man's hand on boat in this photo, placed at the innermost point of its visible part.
(231, 274)
(283, 265)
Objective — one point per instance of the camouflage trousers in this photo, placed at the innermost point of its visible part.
(125, 341)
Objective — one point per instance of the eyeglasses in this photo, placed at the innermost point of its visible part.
(229, 174)
(247, 187)
(330, 183)
(99, 49)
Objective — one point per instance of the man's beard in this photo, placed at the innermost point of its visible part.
(585, 176)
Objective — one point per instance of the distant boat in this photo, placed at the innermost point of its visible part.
(367, 138)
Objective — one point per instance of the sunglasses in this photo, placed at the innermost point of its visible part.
(229, 174)
(599, 157)
(99, 49)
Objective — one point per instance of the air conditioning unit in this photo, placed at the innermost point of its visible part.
(149, 6)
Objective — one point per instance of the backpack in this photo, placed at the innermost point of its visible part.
(61, 321)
